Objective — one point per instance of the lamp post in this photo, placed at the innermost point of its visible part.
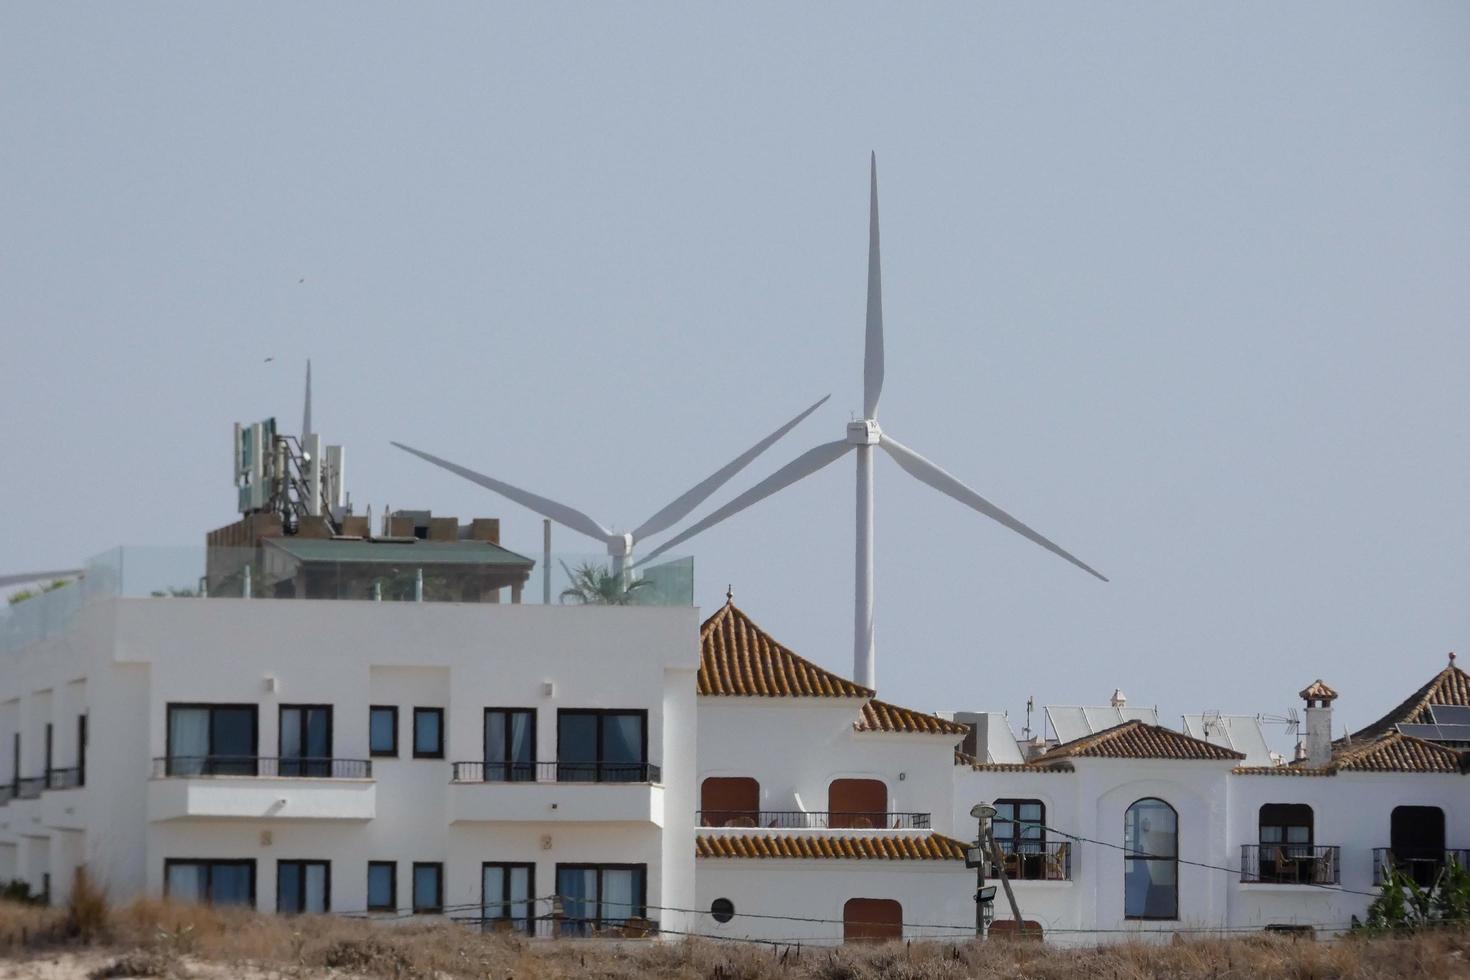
(976, 858)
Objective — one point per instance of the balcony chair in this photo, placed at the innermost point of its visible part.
(1056, 862)
(1288, 869)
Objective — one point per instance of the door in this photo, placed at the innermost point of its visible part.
(306, 740)
(857, 803)
(1416, 838)
(729, 801)
(871, 920)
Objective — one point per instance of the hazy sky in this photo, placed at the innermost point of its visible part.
(1184, 286)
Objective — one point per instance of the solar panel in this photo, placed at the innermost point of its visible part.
(1067, 723)
(1430, 732)
(1240, 733)
(1454, 733)
(1000, 741)
(1450, 714)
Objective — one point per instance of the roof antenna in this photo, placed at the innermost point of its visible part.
(306, 411)
(730, 593)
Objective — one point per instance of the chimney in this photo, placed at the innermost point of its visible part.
(1319, 698)
(1119, 699)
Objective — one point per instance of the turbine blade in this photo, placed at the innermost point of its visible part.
(804, 465)
(873, 349)
(677, 510)
(306, 411)
(926, 472)
(22, 577)
(561, 513)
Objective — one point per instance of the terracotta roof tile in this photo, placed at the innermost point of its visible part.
(1137, 740)
(963, 759)
(1282, 771)
(1394, 752)
(1317, 691)
(880, 716)
(931, 847)
(1449, 686)
(739, 659)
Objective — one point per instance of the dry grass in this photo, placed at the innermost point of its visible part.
(156, 938)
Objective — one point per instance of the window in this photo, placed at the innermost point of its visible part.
(602, 746)
(599, 896)
(306, 740)
(506, 892)
(382, 886)
(81, 750)
(428, 887)
(857, 803)
(383, 730)
(510, 744)
(46, 770)
(729, 801)
(428, 733)
(15, 763)
(211, 740)
(204, 880)
(871, 920)
(722, 910)
(1151, 861)
(303, 886)
(1417, 842)
(1021, 839)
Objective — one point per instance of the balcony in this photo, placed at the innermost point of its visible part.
(1290, 864)
(260, 787)
(1422, 866)
(565, 792)
(71, 778)
(812, 820)
(1034, 861)
(30, 789)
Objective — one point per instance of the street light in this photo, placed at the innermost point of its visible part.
(976, 857)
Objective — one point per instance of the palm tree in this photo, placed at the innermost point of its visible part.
(598, 585)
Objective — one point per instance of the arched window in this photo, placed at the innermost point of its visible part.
(1151, 861)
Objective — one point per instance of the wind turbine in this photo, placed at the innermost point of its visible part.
(861, 437)
(620, 544)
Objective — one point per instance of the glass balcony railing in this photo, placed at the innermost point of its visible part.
(367, 571)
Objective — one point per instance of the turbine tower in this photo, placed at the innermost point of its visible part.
(620, 545)
(862, 436)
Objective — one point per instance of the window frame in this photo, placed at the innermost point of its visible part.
(302, 763)
(392, 905)
(210, 706)
(438, 907)
(302, 864)
(512, 774)
(392, 753)
(1129, 859)
(82, 749)
(641, 904)
(528, 925)
(209, 863)
(598, 763)
(1017, 831)
(437, 754)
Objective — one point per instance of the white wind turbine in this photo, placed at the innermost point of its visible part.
(620, 544)
(862, 436)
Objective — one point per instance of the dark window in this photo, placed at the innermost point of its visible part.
(506, 893)
(428, 887)
(383, 730)
(510, 744)
(15, 763)
(382, 886)
(1286, 854)
(230, 882)
(722, 910)
(602, 746)
(211, 739)
(428, 733)
(81, 750)
(303, 886)
(306, 740)
(599, 896)
(1417, 842)
(47, 770)
(1021, 839)
(1151, 861)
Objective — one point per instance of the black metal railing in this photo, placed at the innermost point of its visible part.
(69, 778)
(30, 789)
(556, 772)
(1291, 864)
(1033, 860)
(243, 765)
(812, 820)
(1422, 865)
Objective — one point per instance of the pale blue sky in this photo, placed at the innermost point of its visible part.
(1184, 286)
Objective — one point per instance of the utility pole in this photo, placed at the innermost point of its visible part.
(977, 857)
(1000, 868)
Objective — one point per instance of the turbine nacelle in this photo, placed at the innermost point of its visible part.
(864, 432)
(620, 545)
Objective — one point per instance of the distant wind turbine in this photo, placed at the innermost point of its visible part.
(620, 545)
(862, 436)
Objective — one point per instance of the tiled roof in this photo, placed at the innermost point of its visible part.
(1282, 771)
(930, 847)
(1449, 686)
(739, 659)
(1137, 740)
(880, 716)
(963, 759)
(1317, 691)
(1394, 752)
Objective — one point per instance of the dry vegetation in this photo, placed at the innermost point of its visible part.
(159, 939)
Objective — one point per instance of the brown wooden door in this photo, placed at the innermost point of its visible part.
(871, 920)
(857, 803)
(727, 800)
